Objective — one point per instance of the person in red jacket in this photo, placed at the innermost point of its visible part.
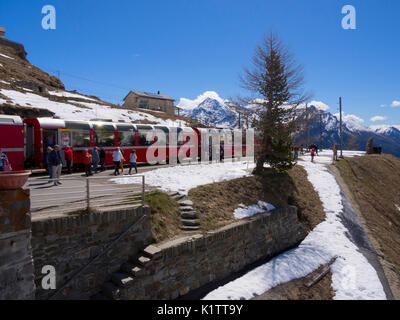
(68, 157)
(312, 154)
(87, 161)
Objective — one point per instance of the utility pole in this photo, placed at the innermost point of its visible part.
(320, 131)
(307, 127)
(341, 136)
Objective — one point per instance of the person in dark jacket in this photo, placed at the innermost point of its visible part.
(55, 162)
(102, 155)
(95, 158)
(3, 160)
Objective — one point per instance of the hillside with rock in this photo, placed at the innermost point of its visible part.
(28, 91)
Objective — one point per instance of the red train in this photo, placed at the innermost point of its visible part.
(25, 141)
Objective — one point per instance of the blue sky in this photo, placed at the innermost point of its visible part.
(185, 47)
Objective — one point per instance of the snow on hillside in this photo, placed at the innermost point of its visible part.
(186, 177)
(352, 276)
(88, 111)
(70, 95)
(386, 129)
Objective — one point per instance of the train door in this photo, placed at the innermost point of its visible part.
(29, 143)
(65, 137)
(50, 138)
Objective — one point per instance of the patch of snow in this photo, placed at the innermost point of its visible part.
(353, 278)
(249, 211)
(3, 55)
(70, 95)
(186, 177)
(397, 206)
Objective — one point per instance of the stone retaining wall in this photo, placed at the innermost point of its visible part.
(16, 266)
(69, 243)
(186, 264)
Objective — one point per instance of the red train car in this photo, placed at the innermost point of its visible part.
(12, 140)
(153, 144)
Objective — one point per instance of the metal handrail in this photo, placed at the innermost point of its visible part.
(91, 194)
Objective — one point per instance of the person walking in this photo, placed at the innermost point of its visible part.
(95, 158)
(312, 154)
(117, 158)
(296, 151)
(47, 164)
(132, 161)
(121, 165)
(69, 158)
(55, 162)
(3, 160)
(334, 152)
(87, 161)
(102, 159)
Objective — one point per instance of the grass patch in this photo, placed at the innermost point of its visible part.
(373, 181)
(165, 215)
(216, 202)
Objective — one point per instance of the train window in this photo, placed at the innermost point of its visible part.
(80, 133)
(181, 137)
(104, 135)
(162, 135)
(142, 137)
(126, 138)
(126, 135)
(80, 138)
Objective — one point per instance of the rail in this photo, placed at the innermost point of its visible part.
(85, 193)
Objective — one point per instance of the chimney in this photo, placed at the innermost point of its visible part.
(2, 32)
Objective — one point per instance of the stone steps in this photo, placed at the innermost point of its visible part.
(188, 214)
(127, 273)
(110, 290)
(191, 222)
(190, 228)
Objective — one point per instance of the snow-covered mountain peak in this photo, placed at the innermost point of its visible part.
(188, 104)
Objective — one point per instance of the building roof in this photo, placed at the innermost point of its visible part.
(2, 29)
(150, 95)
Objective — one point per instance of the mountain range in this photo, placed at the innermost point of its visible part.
(324, 126)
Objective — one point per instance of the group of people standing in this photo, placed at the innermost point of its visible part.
(119, 159)
(56, 158)
(312, 148)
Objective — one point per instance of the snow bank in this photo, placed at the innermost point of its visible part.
(69, 95)
(352, 276)
(91, 110)
(186, 177)
(249, 211)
